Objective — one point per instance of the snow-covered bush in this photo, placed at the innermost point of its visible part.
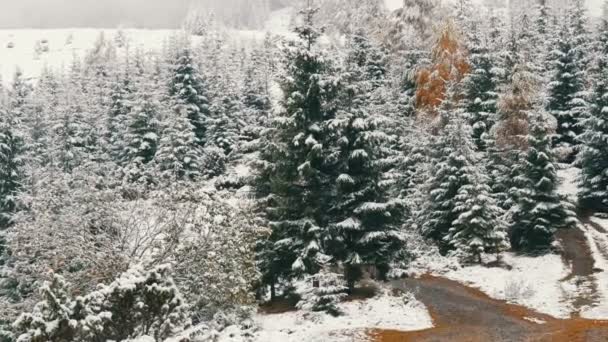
(518, 289)
(139, 304)
(215, 262)
(330, 290)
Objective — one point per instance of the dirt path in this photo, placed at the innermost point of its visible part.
(461, 313)
(578, 256)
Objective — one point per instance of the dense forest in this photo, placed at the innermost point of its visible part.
(160, 196)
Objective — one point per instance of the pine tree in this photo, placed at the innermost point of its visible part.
(566, 102)
(255, 98)
(480, 94)
(365, 227)
(579, 33)
(453, 168)
(539, 211)
(293, 173)
(142, 133)
(188, 90)
(479, 228)
(179, 155)
(593, 156)
(11, 172)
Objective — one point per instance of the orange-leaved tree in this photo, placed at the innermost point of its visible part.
(449, 65)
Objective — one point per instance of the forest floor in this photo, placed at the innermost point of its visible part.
(461, 313)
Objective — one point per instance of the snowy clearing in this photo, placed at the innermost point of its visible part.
(533, 282)
(384, 311)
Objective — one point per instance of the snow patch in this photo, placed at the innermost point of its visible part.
(384, 311)
(534, 282)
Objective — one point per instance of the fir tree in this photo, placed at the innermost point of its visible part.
(293, 173)
(593, 156)
(179, 155)
(188, 90)
(479, 228)
(453, 168)
(480, 91)
(365, 227)
(566, 102)
(539, 211)
(11, 173)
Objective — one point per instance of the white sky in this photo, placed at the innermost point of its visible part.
(594, 5)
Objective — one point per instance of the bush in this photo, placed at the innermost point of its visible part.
(331, 290)
(137, 304)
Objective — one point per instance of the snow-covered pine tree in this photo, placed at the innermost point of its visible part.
(480, 90)
(224, 125)
(480, 227)
(578, 31)
(188, 91)
(540, 210)
(331, 290)
(453, 164)
(411, 27)
(19, 92)
(293, 173)
(142, 133)
(365, 219)
(566, 98)
(593, 155)
(120, 105)
(255, 98)
(179, 155)
(11, 173)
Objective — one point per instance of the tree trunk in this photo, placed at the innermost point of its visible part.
(273, 292)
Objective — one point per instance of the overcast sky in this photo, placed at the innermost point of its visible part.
(111, 13)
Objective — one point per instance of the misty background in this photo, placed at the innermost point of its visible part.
(154, 14)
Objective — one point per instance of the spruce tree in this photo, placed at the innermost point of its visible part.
(293, 173)
(11, 172)
(453, 160)
(188, 92)
(480, 94)
(179, 155)
(142, 134)
(479, 228)
(365, 219)
(593, 156)
(566, 102)
(540, 210)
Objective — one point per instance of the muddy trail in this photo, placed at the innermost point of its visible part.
(461, 313)
(577, 254)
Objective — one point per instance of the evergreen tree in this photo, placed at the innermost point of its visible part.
(453, 168)
(142, 133)
(566, 102)
(579, 33)
(188, 90)
(480, 94)
(539, 211)
(593, 156)
(179, 155)
(365, 227)
(293, 173)
(479, 228)
(11, 173)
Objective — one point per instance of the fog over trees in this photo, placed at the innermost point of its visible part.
(112, 13)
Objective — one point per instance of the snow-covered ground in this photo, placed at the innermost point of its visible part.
(384, 311)
(598, 242)
(534, 282)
